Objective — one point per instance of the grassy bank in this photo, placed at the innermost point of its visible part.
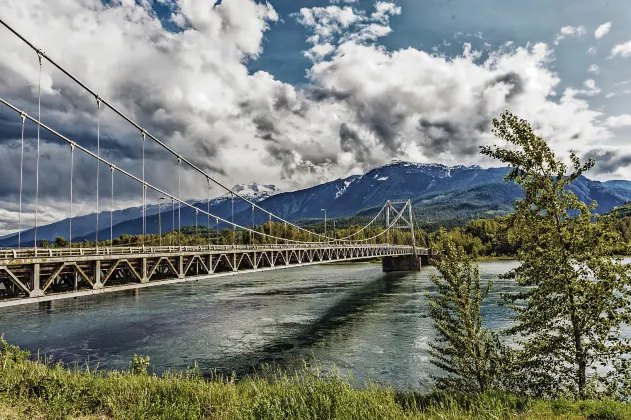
(30, 389)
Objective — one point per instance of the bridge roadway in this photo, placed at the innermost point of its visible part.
(39, 275)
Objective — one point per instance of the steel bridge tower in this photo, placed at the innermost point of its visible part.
(396, 210)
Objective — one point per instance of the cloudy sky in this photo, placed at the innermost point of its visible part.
(296, 92)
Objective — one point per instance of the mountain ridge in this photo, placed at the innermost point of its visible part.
(438, 192)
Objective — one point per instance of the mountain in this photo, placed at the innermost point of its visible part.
(618, 186)
(439, 193)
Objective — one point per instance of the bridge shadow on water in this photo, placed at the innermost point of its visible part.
(292, 347)
(292, 343)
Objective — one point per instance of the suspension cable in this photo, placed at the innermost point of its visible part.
(151, 136)
(179, 210)
(98, 165)
(23, 118)
(144, 193)
(208, 208)
(39, 118)
(158, 190)
(112, 167)
(72, 146)
(234, 229)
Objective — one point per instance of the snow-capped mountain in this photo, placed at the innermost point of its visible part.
(255, 190)
(438, 192)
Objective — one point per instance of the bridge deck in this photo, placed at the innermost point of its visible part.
(36, 275)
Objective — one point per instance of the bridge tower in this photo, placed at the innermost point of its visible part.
(400, 212)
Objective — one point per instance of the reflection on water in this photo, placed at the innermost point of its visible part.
(353, 316)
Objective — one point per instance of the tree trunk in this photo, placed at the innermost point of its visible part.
(581, 373)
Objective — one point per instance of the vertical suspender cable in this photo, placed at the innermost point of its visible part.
(172, 222)
(144, 194)
(39, 118)
(98, 165)
(234, 228)
(23, 117)
(71, 188)
(179, 210)
(208, 212)
(217, 227)
(112, 208)
(252, 232)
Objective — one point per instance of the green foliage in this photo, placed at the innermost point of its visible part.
(577, 293)
(465, 350)
(60, 242)
(12, 353)
(34, 389)
(139, 365)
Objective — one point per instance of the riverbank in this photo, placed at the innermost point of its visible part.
(36, 390)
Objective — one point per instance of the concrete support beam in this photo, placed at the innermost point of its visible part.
(402, 263)
(97, 276)
(234, 262)
(143, 273)
(37, 289)
(180, 267)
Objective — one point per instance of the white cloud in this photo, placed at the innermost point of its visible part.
(602, 30)
(569, 32)
(619, 121)
(594, 69)
(618, 93)
(622, 50)
(591, 50)
(335, 24)
(363, 106)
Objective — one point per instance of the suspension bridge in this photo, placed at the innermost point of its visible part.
(37, 274)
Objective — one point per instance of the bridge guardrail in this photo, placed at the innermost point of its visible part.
(23, 253)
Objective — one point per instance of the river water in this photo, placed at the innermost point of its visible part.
(353, 316)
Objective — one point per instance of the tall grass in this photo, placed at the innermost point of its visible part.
(36, 389)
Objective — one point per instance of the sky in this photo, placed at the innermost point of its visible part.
(298, 92)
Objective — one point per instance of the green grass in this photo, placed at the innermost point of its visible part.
(37, 390)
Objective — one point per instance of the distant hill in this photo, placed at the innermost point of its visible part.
(440, 194)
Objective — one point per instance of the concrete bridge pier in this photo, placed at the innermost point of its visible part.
(402, 263)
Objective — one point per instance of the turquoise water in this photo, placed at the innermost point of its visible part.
(350, 315)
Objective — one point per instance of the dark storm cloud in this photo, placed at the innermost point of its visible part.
(266, 126)
(320, 94)
(440, 136)
(461, 136)
(351, 142)
(608, 161)
(513, 80)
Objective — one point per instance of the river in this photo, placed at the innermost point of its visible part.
(352, 316)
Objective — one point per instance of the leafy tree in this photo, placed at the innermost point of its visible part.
(578, 293)
(61, 242)
(469, 353)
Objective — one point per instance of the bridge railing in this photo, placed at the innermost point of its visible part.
(23, 253)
